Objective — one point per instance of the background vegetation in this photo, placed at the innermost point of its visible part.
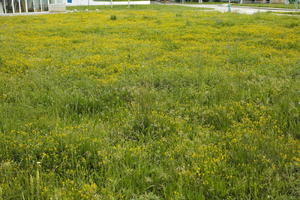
(291, 4)
(272, 5)
(153, 103)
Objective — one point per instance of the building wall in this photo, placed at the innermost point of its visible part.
(92, 2)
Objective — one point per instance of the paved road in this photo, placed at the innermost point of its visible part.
(237, 9)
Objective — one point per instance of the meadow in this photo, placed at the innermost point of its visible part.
(150, 103)
(291, 5)
(271, 5)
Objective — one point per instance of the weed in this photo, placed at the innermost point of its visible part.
(113, 17)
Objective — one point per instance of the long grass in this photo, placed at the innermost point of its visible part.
(159, 103)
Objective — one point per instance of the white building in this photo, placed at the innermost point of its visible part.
(24, 6)
(104, 2)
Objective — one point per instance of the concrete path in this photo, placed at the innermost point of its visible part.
(237, 9)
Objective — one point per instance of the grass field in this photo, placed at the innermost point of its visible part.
(289, 13)
(149, 103)
(270, 5)
(125, 7)
(264, 5)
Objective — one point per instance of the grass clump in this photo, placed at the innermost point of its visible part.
(165, 103)
(113, 17)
